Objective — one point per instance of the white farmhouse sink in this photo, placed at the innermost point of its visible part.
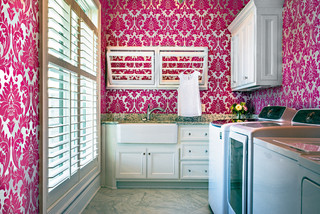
(147, 133)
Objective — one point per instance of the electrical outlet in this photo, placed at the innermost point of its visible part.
(203, 107)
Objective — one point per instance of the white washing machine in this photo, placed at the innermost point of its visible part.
(281, 179)
(309, 180)
(241, 156)
(218, 141)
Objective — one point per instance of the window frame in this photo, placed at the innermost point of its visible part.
(44, 58)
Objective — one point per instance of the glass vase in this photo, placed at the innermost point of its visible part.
(238, 115)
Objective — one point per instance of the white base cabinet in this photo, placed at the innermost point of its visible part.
(131, 163)
(175, 165)
(194, 152)
(154, 162)
(194, 170)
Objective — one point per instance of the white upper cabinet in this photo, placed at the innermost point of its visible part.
(256, 46)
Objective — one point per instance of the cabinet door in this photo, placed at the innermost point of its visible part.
(235, 60)
(248, 74)
(242, 53)
(131, 162)
(163, 163)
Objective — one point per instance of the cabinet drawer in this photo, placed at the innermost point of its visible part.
(195, 151)
(194, 133)
(194, 170)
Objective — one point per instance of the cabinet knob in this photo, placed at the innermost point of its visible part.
(205, 134)
(189, 151)
(189, 170)
(206, 151)
(144, 153)
(234, 81)
(245, 77)
(205, 171)
(189, 133)
(149, 153)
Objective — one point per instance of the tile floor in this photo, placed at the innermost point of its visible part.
(149, 201)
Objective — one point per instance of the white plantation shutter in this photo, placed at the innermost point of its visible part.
(59, 15)
(58, 125)
(88, 121)
(72, 87)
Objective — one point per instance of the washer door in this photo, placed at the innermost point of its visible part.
(237, 173)
(310, 197)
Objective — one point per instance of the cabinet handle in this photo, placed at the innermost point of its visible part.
(189, 151)
(189, 133)
(189, 170)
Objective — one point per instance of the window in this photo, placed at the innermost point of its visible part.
(71, 85)
(154, 67)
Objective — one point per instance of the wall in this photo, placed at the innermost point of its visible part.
(19, 111)
(301, 59)
(168, 23)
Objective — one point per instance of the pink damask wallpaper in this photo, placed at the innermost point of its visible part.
(19, 106)
(301, 59)
(168, 23)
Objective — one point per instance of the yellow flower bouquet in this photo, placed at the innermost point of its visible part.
(239, 109)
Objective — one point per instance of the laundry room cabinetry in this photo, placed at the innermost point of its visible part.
(256, 46)
(173, 156)
(147, 162)
(194, 152)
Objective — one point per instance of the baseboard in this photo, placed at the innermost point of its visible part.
(161, 185)
(85, 197)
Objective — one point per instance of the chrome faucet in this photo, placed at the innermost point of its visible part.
(150, 111)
